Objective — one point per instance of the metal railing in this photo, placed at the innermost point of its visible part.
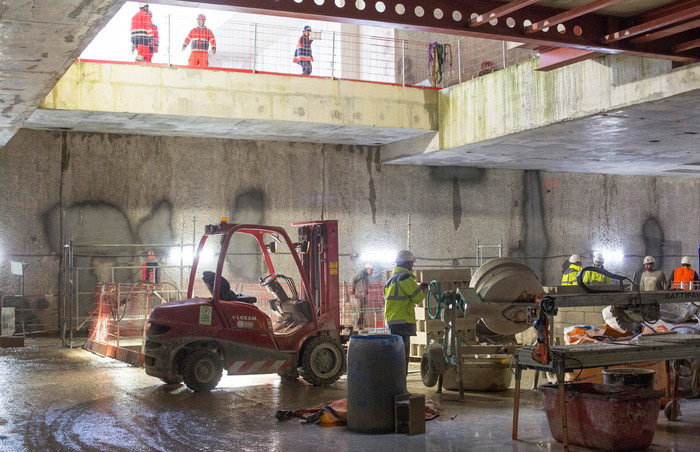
(264, 48)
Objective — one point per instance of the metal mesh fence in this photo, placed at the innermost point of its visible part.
(268, 48)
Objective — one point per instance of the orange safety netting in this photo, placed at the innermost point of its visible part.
(604, 333)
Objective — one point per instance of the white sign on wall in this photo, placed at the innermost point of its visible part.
(16, 268)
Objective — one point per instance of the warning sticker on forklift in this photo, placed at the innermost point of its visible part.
(205, 315)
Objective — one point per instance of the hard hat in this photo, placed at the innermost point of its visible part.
(307, 28)
(405, 256)
(369, 265)
(649, 260)
(598, 257)
(202, 16)
(143, 5)
(685, 260)
(575, 258)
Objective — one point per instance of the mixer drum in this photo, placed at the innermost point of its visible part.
(511, 286)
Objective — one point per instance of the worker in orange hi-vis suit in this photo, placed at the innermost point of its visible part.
(153, 46)
(142, 33)
(202, 38)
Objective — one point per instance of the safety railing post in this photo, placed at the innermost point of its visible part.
(75, 309)
(170, 42)
(504, 54)
(255, 43)
(459, 61)
(403, 62)
(333, 57)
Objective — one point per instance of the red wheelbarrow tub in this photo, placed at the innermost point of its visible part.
(603, 417)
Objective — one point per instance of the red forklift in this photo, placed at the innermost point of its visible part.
(193, 340)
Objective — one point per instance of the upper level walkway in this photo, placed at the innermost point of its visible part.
(615, 114)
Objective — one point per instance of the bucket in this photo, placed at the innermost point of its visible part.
(376, 373)
(633, 377)
(603, 417)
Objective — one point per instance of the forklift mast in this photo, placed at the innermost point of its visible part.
(320, 265)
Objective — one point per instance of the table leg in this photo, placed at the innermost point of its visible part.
(516, 402)
(562, 407)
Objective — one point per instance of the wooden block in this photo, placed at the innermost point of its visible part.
(11, 341)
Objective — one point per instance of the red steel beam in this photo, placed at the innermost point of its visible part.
(554, 59)
(666, 32)
(687, 45)
(568, 15)
(453, 17)
(504, 10)
(662, 11)
(652, 25)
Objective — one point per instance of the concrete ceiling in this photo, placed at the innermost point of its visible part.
(41, 39)
(660, 138)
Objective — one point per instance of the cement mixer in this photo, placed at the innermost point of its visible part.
(499, 295)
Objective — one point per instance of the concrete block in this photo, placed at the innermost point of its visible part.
(409, 414)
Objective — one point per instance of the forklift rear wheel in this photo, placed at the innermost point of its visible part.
(323, 361)
(201, 370)
(429, 377)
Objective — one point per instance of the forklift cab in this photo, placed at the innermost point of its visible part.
(314, 261)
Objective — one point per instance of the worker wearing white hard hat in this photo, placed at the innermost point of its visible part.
(402, 293)
(142, 33)
(568, 278)
(651, 279)
(593, 277)
(359, 300)
(683, 277)
(202, 40)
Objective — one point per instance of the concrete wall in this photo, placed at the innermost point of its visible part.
(119, 189)
(520, 98)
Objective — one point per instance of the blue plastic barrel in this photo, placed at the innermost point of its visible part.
(376, 373)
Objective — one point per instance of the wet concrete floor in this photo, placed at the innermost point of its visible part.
(59, 399)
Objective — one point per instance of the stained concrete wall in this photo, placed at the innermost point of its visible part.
(101, 188)
(520, 98)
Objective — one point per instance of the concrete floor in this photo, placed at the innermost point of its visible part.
(60, 399)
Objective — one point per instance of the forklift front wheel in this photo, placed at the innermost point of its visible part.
(323, 361)
(201, 370)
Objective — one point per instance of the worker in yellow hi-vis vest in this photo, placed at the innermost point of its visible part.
(569, 276)
(402, 293)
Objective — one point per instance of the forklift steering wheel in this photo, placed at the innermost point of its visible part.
(265, 280)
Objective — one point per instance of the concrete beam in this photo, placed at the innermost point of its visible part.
(134, 98)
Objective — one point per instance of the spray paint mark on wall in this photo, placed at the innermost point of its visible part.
(247, 208)
(372, 192)
(549, 186)
(456, 205)
(535, 239)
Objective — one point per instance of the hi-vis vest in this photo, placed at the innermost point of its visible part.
(685, 275)
(202, 38)
(141, 28)
(591, 277)
(401, 293)
(569, 276)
